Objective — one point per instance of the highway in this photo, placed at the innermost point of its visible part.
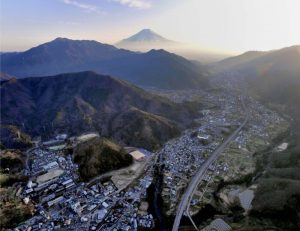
(201, 172)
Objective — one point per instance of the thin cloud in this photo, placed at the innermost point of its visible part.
(86, 7)
(140, 4)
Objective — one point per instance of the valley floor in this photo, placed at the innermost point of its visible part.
(226, 182)
(119, 200)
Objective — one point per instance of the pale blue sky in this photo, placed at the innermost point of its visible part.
(226, 25)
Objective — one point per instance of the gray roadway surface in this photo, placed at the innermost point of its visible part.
(201, 172)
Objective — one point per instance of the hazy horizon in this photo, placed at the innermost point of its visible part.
(230, 29)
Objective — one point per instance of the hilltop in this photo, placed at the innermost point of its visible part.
(98, 156)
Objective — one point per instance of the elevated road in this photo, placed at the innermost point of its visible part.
(201, 172)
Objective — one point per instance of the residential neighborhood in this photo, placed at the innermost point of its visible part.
(63, 202)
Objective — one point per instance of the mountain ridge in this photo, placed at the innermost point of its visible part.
(246, 58)
(86, 101)
(64, 56)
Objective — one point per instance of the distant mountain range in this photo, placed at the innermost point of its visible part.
(156, 68)
(285, 59)
(236, 61)
(86, 101)
(274, 76)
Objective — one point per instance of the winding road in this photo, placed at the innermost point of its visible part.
(201, 172)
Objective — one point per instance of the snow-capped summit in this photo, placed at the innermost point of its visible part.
(145, 35)
(145, 39)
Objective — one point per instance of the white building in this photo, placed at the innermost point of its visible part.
(104, 204)
(51, 165)
(29, 184)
